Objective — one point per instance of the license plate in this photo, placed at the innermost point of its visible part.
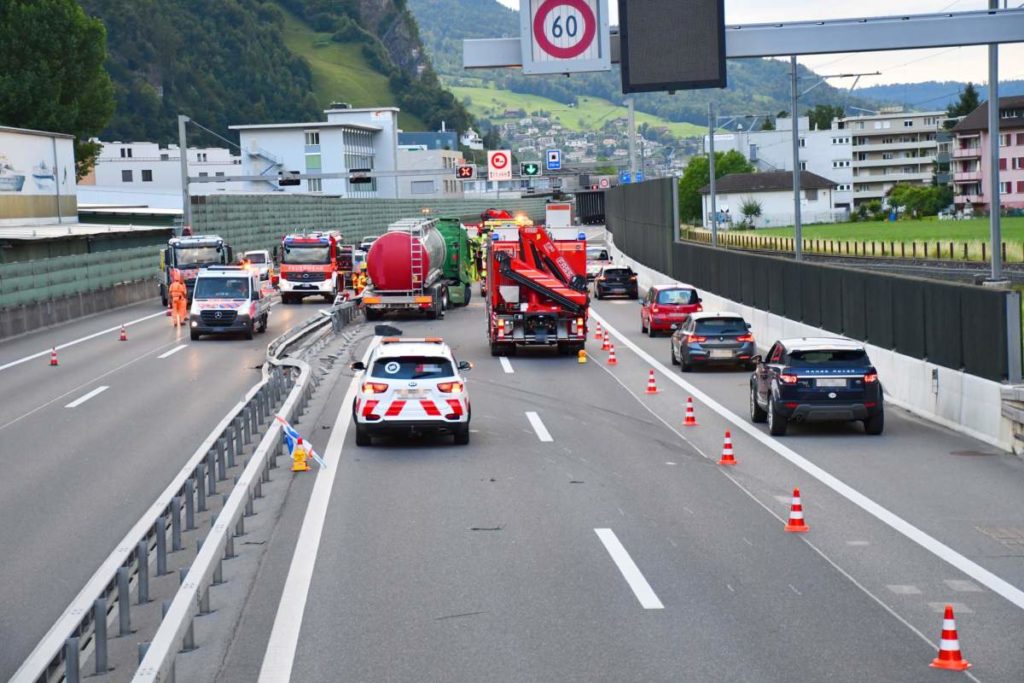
(411, 393)
(721, 353)
(830, 382)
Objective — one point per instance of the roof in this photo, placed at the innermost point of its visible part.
(42, 133)
(772, 181)
(978, 119)
(706, 315)
(55, 231)
(806, 343)
(311, 124)
(411, 348)
(674, 285)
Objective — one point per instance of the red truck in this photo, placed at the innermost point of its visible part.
(536, 290)
(310, 264)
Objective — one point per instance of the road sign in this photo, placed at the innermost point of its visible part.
(564, 36)
(639, 176)
(624, 177)
(499, 164)
(529, 170)
(554, 157)
(465, 172)
(604, 183)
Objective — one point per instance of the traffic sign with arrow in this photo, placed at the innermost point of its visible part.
(529, 170)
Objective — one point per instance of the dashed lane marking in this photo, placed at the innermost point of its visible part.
(899, 589)
(962, 586)
(506, 365)
(79, 401)
(173, 351)
(542, 432)
(630, 572)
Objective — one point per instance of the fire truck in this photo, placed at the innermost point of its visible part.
(536, 289)
(186, 256)
(310, 264)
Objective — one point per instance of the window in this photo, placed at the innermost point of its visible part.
(811, 358)
(204, 174)
(677, 297)
(803, 142)
(1020, 139)
(412, 367)
(1005, 188)
(908, 123)
(126, 176)
(1002, 164)
(422, 187)
(931, 121)
(811, 195)
(717, 326)
(1020, 187)
(1018, 163)
(219, 174)
(803, 165)
(312, 137)
(887, 155)
(147, 175)
(315, 184)
(1005, 140)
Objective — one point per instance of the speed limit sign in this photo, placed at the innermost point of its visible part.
(564, 36)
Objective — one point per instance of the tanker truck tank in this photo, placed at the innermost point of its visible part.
(405, 266)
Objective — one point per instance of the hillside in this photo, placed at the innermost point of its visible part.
(933, 95)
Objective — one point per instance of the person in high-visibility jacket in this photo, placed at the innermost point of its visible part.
(359, 281)
(179, 300)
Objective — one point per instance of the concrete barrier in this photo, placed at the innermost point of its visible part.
(18, 320)
(954, 399)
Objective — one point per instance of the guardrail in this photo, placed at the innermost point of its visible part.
(81, 631)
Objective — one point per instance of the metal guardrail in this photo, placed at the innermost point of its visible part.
(81, 629)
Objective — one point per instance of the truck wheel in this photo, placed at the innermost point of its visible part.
(250, 331)
(467, 294)
(373, 314)
(264, 320)
(163, 296)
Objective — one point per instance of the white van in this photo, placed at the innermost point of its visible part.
(228, 299)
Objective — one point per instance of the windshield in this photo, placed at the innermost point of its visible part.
(617, 272)
(311, 254)
(597, 254)
(722, 326)
(222, 288)
(810, 358)
(412, 367)
(677, 297)
(256, 257)
(196, 256)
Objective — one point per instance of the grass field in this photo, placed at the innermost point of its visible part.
(975, 229)
(340, 72)
(591, 113)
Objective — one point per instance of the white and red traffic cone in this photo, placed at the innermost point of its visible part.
(612, 360)
(124, 334)
(949, 646)
(727, 455)
(599, 333)
(652, 385)
(796, 522)
(53, 357)
(606, 342)
(690, 420)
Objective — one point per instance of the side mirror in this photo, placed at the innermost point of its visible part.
(699, 300)
(748, 325)
(358, 365)
(756, 360)
(465, 365)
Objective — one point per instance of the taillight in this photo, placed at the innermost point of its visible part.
(632, 277)
(374, 388)
(501, 327)
(871, 378)
(654, 308)
(694, 339)
(699, 308)
(788, 379)
(745, 338)
(450, 387)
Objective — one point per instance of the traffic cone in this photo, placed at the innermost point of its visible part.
(599, 334)
(611, 356)
(53, 357)
(581, 358)
(949, 646)
(727, 456)
(690, 420)
(124, 334)
(606, 342)
(796, 515)
(299, 457)
(652, 386)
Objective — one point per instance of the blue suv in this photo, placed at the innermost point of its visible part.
(816, 380)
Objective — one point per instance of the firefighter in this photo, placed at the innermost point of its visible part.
(359, 281)
(179, 299)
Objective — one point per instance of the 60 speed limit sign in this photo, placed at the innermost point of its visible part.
(564, 36)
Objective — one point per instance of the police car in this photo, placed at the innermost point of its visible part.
(411, 386)
(228, 299)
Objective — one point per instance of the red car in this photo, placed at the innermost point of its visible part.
(666, 307)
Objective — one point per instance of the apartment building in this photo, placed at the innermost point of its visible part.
(971, 158)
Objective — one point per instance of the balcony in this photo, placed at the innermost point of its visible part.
(894, 163)
(893, 146)
(967, 153)
(969, 199)
(967, 176)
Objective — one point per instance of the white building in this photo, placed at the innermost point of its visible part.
(349, 140)
(37, 178)
(471, 140)
(827, 152)
(439, 179)
(134, 173)
(773, 192)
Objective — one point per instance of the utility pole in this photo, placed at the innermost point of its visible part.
(711, 171)
(186, 204)
(794, 116)
(995, 229)
(632, 142)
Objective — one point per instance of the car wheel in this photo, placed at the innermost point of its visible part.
(672, 352)
(193, 335)
(643, 327)
(875, 424)
(250, 330)
(757, 413)
(363, 437)
(776, 423)
(684, 364)
(461, 434)
(650, 331)
(598, 295)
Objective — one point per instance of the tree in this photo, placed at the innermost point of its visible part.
(750, 209)
(782, 114)
(697, 175)
(820, 116)
(768, 124)
(52, 76)
(967, 103)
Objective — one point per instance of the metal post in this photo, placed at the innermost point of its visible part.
(794, 116)
(182, 573)
(175, 524)
(99, 618)
(632, 141)
(188, 641)
(142, 556)
(124, 607)
(143, 649)
(190, 505)
(221, 469)
(204, 601)
(218, 573)
(186, 204)
(201, 489)
(71, 674)
(234, 440)
(253, 414)
(161, 546)
(995, 229)
(246, 432)
(712, 120)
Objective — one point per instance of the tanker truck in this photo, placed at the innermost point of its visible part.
(407, 269)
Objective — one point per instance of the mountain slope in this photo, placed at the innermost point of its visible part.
(934, 95)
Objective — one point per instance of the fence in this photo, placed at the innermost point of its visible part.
(642, 217)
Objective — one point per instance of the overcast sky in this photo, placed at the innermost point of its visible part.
(905, 66)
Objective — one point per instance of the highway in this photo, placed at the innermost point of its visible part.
(87, 446)
(585, 535)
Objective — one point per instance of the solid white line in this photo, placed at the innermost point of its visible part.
(929, 543)
(284, 637)
(172, 351)
(506, 365)
(542, 432)
(79, 401)
(109, 330)
(630, 572)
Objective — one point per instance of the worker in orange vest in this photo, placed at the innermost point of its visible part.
(179, 300)
(359, 281)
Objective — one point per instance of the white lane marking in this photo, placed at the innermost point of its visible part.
(79, 401)
(903, 589)
(542, 432)
(630, 572)
(173, 351)
(962, 586)
(506, 365)
(929, 543)
(793, 588)
(284, 636)
(109, 330)
(670, 463)
(958, 607)
(858, 543)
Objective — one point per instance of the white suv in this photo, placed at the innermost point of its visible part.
(410, 386)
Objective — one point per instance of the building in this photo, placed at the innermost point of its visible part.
(892, 147)
(826, 153)
(438, 180)
(349, 140)
(773, 192)
(143, 173)
(442, 139)
(971, 158)
(37, 178)
(472, 140)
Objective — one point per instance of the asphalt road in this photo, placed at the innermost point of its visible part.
(618, 550)
(75, 479)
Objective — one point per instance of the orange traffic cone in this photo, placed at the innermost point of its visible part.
(611, 355)
(605, 342)
(949, 646)
(581, 357)
(599, 334)
(299, 457)
(727, 456)
(796, 515)
(53, 357)
(652, 387)
(691, 419)
(124, 334)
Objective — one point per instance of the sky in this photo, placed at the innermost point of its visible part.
(904, 66)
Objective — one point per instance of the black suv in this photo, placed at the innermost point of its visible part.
(613, 280)
(816, 380)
